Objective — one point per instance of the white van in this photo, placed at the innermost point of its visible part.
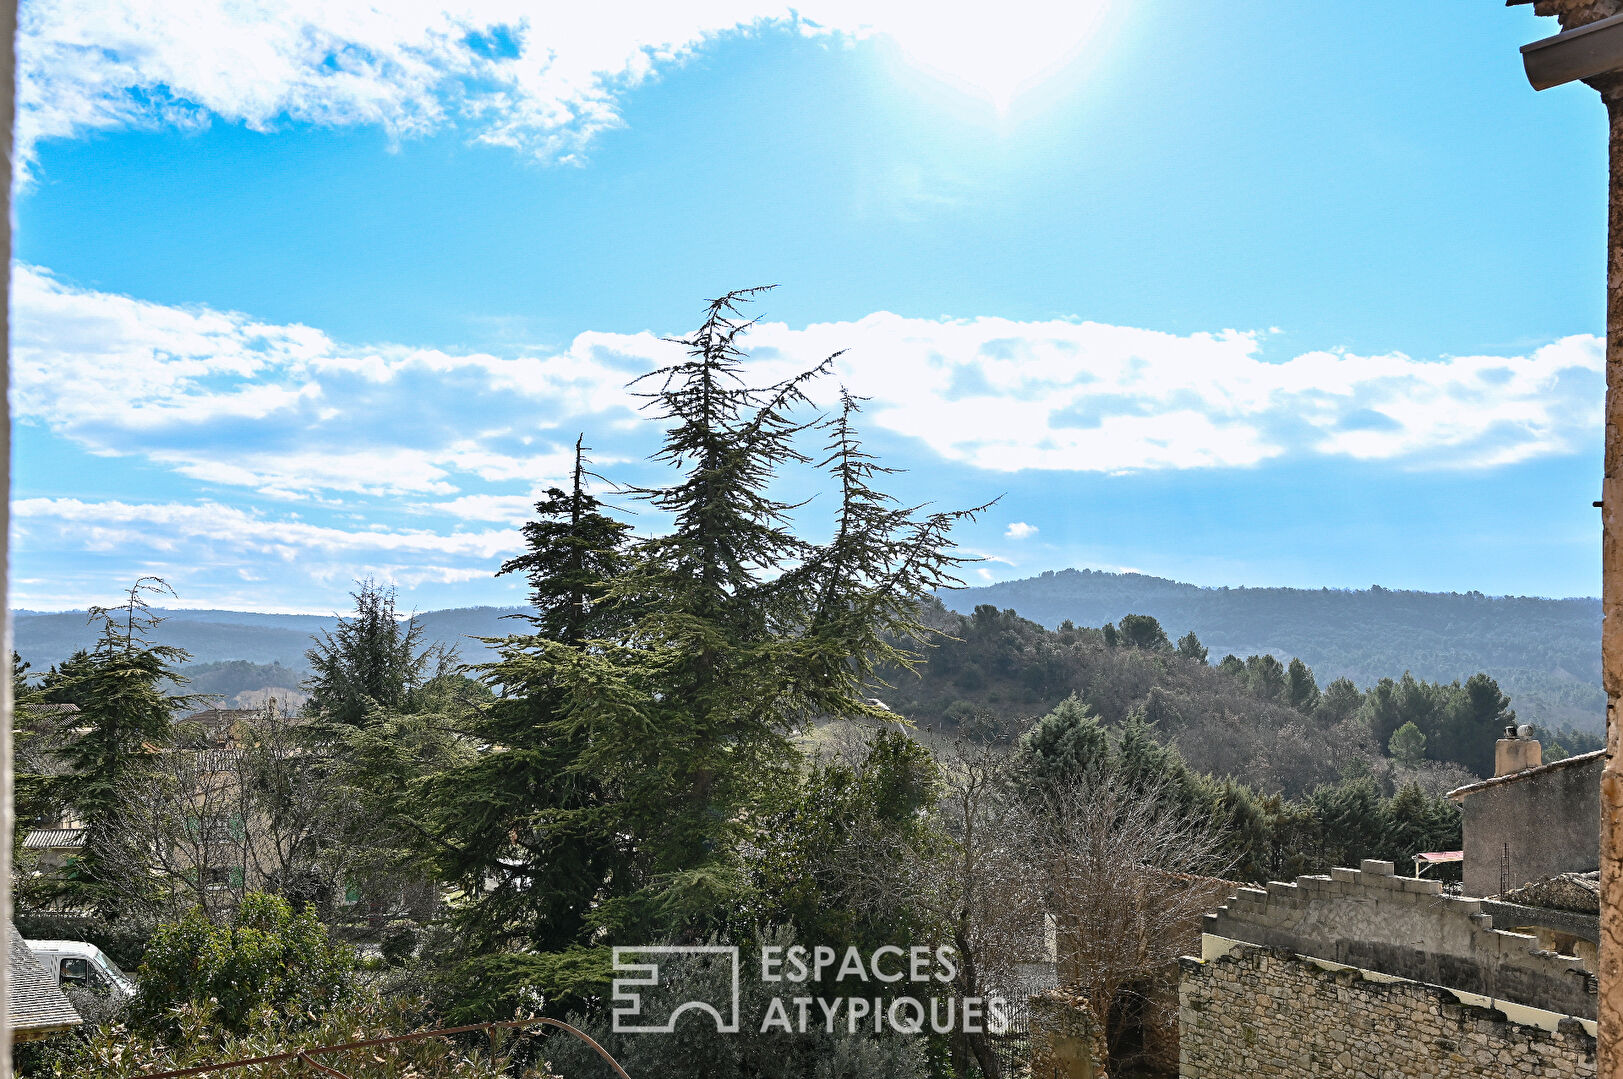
(76, 964)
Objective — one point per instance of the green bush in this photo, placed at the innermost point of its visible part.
(267, 957)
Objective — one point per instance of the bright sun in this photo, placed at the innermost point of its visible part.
(1000, 51)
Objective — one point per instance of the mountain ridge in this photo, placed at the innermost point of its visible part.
(1545, 652)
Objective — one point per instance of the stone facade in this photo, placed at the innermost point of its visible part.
(1375, 920)
(1066, 1040)
(1263, 1012)
(1532, 825)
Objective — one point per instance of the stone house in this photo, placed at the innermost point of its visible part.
(1531, 821)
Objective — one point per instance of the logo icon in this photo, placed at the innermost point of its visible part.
(628, 1001)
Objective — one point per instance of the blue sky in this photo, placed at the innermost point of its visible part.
(1264, 294)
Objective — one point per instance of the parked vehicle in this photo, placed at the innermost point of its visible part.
(77, 964)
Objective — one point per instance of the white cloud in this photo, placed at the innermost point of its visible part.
(168, 526)
(544, 77)
(1084, 396)
(541, 78)
(510, 509)
(233, 557)
(285, 410)
(452, 450)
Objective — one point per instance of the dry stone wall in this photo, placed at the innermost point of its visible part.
(1066, 1040)
(1266, 1012)
(1373, 919)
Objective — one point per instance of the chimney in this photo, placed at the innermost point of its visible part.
(1517, 751)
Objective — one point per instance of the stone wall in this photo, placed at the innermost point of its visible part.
(1262, 1012)
(1405, 927)
(1531, 825)
(1066, 1040)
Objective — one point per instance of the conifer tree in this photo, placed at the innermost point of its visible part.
(64, 683)
(370, 660)
(719, 639)
(531, 882)
(125, 715)
(1189, 647)
(1408, 746)
(1142, 631)
(1301, 690)
(1067, 743)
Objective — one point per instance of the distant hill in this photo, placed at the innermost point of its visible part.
(271, 646)
(1544, 652)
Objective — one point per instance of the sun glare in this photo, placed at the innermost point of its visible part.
(1003, 50)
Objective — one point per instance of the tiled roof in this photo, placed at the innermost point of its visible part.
(222, 715)
(1578, 892)
(37, 1005)
(46, 838)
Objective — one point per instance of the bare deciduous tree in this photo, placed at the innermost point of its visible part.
(1122, 871)
(1127, 876)
(969, 879)
(204, 823)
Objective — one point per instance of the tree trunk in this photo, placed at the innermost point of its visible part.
(980, 1043)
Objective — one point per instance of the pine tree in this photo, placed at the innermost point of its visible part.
(496, 820)
(1408, 746)
(125, 716)
(1350, 814)
(370, 661)
(1339, 700)
(35, 796)
(65, 682)
(1266, 676)
(1301, 691)
(740, 631)
(1065, 744)
(1151, 765)
(669, 721)
(1189, 647)
(1142, 631)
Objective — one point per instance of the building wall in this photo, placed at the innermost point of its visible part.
(1257, 1012)
(1539, 824)
(1404, 927)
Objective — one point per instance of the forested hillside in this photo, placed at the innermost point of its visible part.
(1270, 723)
(1544, 652)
